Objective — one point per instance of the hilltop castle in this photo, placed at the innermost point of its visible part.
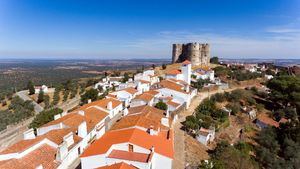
(198, 54)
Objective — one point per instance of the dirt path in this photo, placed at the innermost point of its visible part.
(179, 140)
(180, 137)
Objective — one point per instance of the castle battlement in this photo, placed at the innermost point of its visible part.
(197, 53)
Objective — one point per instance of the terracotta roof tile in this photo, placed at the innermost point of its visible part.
(131, 156)
(186, 62)
(131, 90)
(173, 72)
(144, 109)
(92, 116)
(55, 136)
(178, 81)
(44, 155)
(173, 86)
(121, 165)
(135, 136)
(143, 116)
(21, 146)
(174, 104)
(283, 120)
(144, 81)
(102, 103)
(152, 92)
(267, 120)
(146, 97)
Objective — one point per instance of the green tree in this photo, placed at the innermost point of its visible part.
(234, 107)
(221, 71)
(226, 156)
(161, 105)
(214, 60)
(30, 87)
(153, 66)
(17, 111)
(191, 123)
(40, 96)
(100, 88)
(66, 95)
(82, 88)
(90, 94)
(113, 87)
(285, 90)
(47, 101)
(56, 97)
(125, 78)
(199, 84)
(44, 117)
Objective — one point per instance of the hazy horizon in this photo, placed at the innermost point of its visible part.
(65, 29)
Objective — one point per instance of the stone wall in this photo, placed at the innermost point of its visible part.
(198, 54)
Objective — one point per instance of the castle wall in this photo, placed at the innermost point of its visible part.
(177, 51)
(198, 54)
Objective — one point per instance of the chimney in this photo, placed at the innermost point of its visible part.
(168, 135)
(152, 149)
(57, 116)
(125, 112)
(69, 139)
(63, 114)
(82, 130)
(187, 88)
(39, 167)
(81, 112)
(61, 125)
(62, 151)
(109, 105)
(139, 87)
(165, 121)
(29, 134)
(167, 112)
(151, 131)
(89, 101)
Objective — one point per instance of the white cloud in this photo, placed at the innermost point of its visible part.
(277, 46)
(282, 30)
(274, 42)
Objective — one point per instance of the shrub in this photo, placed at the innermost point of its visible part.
(161, 105)
(44, 117)
(235, 108)
(90, 94)
(40, 96)
(219, 97)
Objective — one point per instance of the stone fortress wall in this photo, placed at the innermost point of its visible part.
(198, 54)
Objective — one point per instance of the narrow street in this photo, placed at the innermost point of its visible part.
(179, 138)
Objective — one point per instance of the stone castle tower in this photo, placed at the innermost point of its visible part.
(198, 54)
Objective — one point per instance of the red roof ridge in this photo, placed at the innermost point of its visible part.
(131, 156)
(173, 72)
(163, 146)
(121, 165)
(186, 62)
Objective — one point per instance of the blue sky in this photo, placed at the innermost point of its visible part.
(146, 29)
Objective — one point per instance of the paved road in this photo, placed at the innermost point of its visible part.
(24, 95)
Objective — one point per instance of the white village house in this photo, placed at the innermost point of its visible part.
(141, 139)
(64, 139)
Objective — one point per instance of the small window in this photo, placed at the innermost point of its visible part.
(130, 148)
